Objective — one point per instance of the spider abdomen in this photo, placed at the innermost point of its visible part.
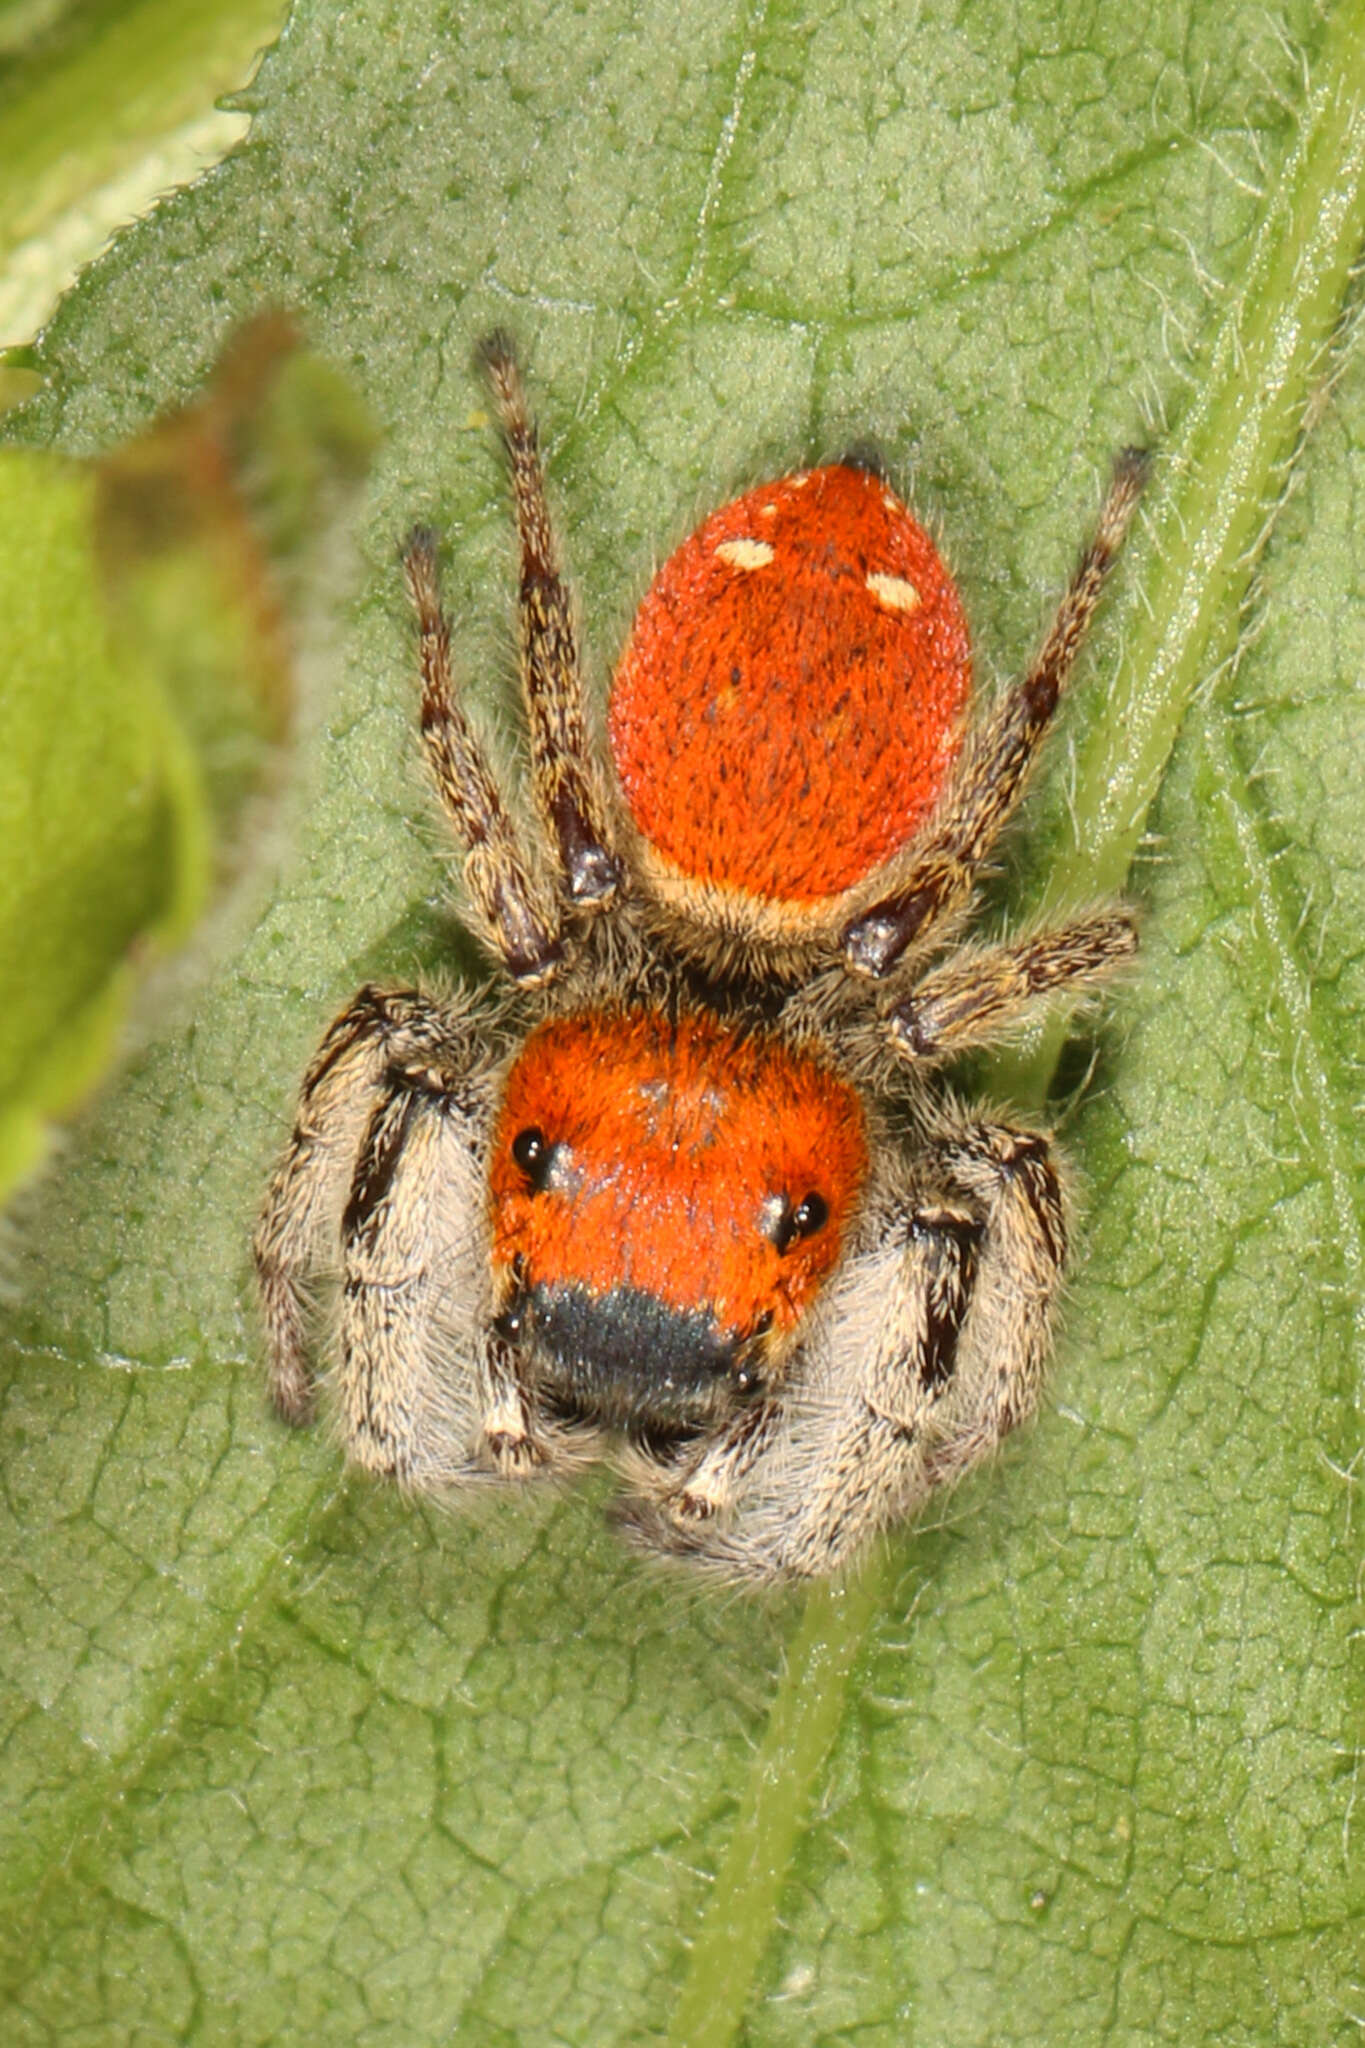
(803, 659)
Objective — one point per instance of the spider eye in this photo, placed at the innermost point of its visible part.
(533, 1153)
(785, 1224)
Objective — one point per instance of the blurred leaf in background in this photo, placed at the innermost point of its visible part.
(291, 1758)
(147, 695)
(105, 105)
(103, 827)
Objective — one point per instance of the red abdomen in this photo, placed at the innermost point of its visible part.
(790, 698)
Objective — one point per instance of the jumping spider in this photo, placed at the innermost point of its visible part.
(686, 1195)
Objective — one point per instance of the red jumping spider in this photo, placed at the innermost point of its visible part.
(688, 1197)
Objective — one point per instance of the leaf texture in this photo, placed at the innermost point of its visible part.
(290, 1758)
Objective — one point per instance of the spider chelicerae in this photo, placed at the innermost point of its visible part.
(690, 1193)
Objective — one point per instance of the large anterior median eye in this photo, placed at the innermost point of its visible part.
(534, 1154)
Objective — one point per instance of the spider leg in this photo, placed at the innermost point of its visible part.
(685, 1490)
(932, 1348)
(429, 1387)
(295, 1239)
(383, 1177)
(512, 1437)
(1009, 1173)
(989, 781)
(567, 785)
(510, 906)
(982, 992)
(411, 1244)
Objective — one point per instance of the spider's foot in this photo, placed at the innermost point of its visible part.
(293, 1395)
(691, 1505)
(515, 1453)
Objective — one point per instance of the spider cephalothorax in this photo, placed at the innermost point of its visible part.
(692, 1199)
(658, 1230)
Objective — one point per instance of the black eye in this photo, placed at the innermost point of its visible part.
(510, 1324)
(533, 1153)
(810, 1216)
(784, 1225)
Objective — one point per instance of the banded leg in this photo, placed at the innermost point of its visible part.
(996, 761)
(513, 911)
(414, 1302)
(567, 785)
(296, 1238)
(980, 995)
(1010, 1175)
(932, 1348)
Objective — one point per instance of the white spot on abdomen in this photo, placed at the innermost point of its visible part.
(745, 554)
(897, 593)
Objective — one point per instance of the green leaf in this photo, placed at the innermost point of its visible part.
(289, 1757)
(146, 690)
(103, 834)
(104, 106)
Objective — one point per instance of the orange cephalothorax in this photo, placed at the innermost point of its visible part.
(790, 699)
(665, 1190)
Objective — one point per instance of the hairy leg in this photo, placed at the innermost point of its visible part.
(512, 910)
(933, 1347)
(430, 1392)
(568, 785)
(943, 869)
(979, 994)
(412, 1256)
(296, 1238)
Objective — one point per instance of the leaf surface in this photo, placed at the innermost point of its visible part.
(104, 107)
(103, 839)
(289, 1758)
